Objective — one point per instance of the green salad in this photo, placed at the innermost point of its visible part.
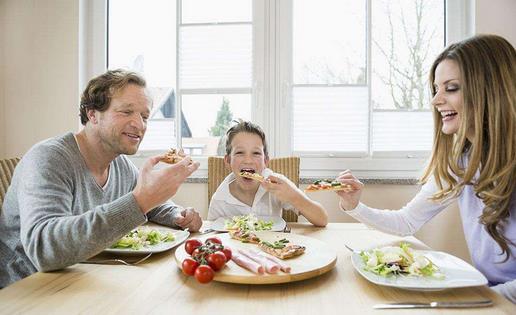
(248, 222)
(399, 260)
(142, 237)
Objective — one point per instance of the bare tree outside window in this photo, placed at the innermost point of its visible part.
(410, 39)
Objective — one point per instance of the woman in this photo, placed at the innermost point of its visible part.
(473, 84)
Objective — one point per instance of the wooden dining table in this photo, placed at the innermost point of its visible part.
(158, 286)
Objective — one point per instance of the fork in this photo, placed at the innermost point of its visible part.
(205, 231)
(351, 249)
(116, 260)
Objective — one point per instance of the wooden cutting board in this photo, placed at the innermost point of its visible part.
(318, 258)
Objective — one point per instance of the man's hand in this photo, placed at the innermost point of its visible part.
(188, 218)
(155, 187)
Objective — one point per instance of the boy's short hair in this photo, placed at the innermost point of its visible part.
(245, 126)
(100, 90)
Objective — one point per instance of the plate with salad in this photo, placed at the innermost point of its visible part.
(402, 267)
(249, 222)
(146, 240)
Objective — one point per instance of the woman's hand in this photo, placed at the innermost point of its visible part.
(349, 199)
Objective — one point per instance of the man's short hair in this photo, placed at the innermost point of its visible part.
(245, 126)
(100, 90)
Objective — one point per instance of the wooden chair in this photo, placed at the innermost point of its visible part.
(6, 174)
(288, 166)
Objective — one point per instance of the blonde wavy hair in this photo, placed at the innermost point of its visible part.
(488, 78)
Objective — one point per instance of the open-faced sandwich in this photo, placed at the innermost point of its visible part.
(326, 184)
(244, 236)
(252, 175)
(282, 249)
(173, 156)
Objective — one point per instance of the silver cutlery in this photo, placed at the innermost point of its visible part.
(352, 250)
(410, 305)
(116, 260)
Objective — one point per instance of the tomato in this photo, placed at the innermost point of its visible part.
(197, 254)
(228, 253)
(204, 274)
(189, 266)
(192, 244)
(216, 260)
(213, 239)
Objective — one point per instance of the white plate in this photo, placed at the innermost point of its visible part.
(278, 224)
(457, 274)
(180, 237)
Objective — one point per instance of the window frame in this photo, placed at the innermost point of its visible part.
(271, 91)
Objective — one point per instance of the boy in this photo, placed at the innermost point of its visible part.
(246, 150)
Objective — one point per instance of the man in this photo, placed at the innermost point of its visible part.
(73, 196)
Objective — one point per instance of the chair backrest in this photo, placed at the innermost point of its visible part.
(6, 174)
(217, 171)
(288, 166)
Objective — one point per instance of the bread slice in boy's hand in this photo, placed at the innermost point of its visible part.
(251, 175)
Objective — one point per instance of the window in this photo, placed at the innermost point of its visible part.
(198, 78)
(341, 83)
(406, 37)
(361, 90)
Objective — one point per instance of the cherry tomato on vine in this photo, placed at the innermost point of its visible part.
(228, 253)
(216, 260)
(213, 239)
(199, 254)
(204, 274)
(191, 245)
(189, 266)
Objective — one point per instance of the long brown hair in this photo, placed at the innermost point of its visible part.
(488, 73)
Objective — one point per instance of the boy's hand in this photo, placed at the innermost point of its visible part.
(285, 190)
(349, 200)
(282, 188)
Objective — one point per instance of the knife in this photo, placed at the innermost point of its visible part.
(406, 305)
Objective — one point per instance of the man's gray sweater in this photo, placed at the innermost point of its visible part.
(55, 214)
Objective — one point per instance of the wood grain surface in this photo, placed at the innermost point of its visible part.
(157, 286)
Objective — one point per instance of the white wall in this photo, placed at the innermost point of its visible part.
(39, 72)
(39, 79)
(496, 17)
